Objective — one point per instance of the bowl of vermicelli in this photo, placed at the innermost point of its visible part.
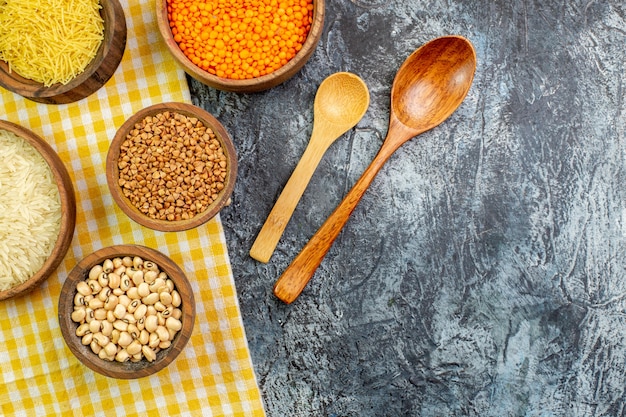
(58, 52)
(37, 210)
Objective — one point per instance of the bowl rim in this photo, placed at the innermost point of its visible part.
(112, 170)
(95, 74)
(68, 209)
(261, 83)
(126, 370)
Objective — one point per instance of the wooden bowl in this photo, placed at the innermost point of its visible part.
(249, 85)
(113, 171)
(128, 369)
(96, 74)
(68, 209)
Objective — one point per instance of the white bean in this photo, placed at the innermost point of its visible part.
(148, 353)
(133, 305)
(125, 282)
(79, 300)
(127, 309)
(140, 311)
(138, 277)
(95, 303)
(151, 298)
(95, 271)
(111, 302)
(125, 339)
(137, 262)
(95, 347)
(107, 266)
(122, 356)
(120, 325)
(153, 340)
(166, 298)
(150, 276)
(82, 330)
(143, 289)
(115, 335)
(83, 288)
(103, 355)
(173, 324)
(104, 294)
(94, 326)
(110, 349)
(106, 328)
(79, 314)
(151, 323)
(163, 334)
(101, 339)
(144, 337)
(119, 311)
(117, 262)
(95, 286)
(100, 314)
(134, 347)
(103, 279)
(133, 293)
(114, 280)
(86, 339)
(150, 266)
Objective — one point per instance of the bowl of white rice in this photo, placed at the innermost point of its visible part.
(37, 210)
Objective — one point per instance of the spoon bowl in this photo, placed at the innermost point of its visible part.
(432, 82)
(429, 86)
(340, 102)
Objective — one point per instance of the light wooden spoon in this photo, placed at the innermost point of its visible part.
(429, 86)
(340, 102)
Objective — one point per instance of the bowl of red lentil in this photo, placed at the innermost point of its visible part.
(40, 64)
(126, 311)
(241, 46)
(171, 167)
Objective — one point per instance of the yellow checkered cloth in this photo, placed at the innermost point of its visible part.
(213, 375)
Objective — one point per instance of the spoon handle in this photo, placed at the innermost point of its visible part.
(273, 228)
(299, 272)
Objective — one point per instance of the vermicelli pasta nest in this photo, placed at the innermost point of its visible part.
(50, 41)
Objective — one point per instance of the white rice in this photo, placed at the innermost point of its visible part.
(30, 210)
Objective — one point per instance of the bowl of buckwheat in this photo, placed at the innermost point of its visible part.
(171, 167)
(126, 311)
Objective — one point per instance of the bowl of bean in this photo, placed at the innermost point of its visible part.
(171, 167)
(38, 213)
(241, 46)
(126, 311)
(60, 52)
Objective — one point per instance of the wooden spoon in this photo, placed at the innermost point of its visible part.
(429, 86)
(340, 102)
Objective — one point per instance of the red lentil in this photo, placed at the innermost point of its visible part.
(240, 39)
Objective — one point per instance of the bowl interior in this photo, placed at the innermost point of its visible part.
(68, 209)
(165, 225)
(95, 75)
(248, 85)
(125, 370)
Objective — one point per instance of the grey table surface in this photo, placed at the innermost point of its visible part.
(483, 273)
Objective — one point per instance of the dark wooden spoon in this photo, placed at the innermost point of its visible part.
(429, 86)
